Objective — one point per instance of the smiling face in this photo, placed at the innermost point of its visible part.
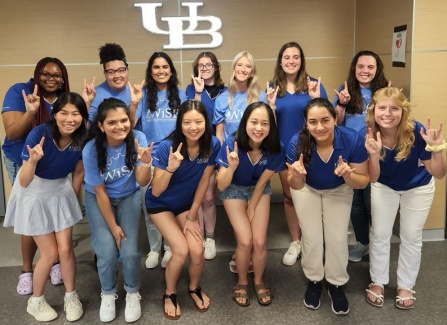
(116, 74)
(193, 125)
(243, 70)
(116, 126)
(161, 72)
(291, 61)
(68, 120)
(365, 70)
(258, 126)
(51, 78)
(387, 114)
(321, 125)
(206, 70)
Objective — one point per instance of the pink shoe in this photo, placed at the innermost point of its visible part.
(56, 275)
(25, 285)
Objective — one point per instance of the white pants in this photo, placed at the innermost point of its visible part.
(324, 220)
(414, 207)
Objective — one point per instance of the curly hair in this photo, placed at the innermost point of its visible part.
(111, 52)
(405, 135)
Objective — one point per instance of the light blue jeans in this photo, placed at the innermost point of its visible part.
(127, 211)
(11, 167)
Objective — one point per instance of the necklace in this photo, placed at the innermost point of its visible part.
(213, 91)
(51, 104)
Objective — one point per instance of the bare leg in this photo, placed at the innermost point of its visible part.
(29, 249)
(67, 258)
(48, 254)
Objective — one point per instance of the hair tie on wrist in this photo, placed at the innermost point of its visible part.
(436, 148)
(169, 171)
(191, 219)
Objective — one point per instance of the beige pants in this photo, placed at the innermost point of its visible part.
(324, 220)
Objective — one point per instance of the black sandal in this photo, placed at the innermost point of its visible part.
(173, 297)
(198, 292)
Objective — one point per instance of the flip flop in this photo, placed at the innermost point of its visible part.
(378, 298)
(198, 292)
(173, 298)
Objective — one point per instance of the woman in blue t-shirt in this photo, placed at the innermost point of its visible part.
(397, 145)
(43, 202)
(247, 161)
(116, 163)
(325, 163)
(183, 165)
(206, 87)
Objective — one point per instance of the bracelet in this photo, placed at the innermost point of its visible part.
(199, 93)
(146, 165)
(340, 104)
(191, 219)
(436, 148)
(169, 171)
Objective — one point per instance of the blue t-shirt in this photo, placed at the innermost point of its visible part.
(55, 163)
(206, 100)
(231, 117)
(408, 173)
(159, 124)
(184, 181)
(357, 121)
(247, 172)
(104, 91)
(118, 179)
(290, 113)
(320, 174)
(14, 102)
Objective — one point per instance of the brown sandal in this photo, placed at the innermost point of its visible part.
(198, 292)
(262, 295)
(241, 295)
(173, 298)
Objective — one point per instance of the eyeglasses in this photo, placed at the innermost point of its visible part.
(207, 66)
(48, 76)
(112, 72)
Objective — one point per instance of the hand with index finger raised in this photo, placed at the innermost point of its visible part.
(175, 158)
(233, 157)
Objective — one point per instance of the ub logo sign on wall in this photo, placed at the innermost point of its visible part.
(175, 26)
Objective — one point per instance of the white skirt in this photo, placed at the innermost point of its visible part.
(45, 206)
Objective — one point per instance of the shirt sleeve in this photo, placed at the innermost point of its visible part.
(92, 175)
(292, 154)
(221, 158)
(160, 157)
(220, 108)
(190, 92)
(14, 99)
(277, 161)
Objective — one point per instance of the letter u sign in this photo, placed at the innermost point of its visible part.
(175, 26)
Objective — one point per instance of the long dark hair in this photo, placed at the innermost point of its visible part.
(79, 134)
(42, 115)
(100, 137)
(306, 142)
(210, 55)
(173, 95)
(177, 136)
(270, 143)
(355, 105)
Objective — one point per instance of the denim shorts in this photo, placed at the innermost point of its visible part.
(237, 192)
(11, 167)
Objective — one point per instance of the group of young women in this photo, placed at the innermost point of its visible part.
(154, 145)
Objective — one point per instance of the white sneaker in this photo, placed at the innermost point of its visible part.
(107, 310)
(132, 312)
(72, 307)
(292, 254)
(210, 249)
(166, 257)
(40, 309)
(152, 260)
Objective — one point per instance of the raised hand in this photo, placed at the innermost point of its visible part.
(199, 84)
(144, 154)
(136, 92)
(36, 153)
(89, 91)
(32, 101)
(175, 159)
(297, 168)
(372, 145)
(271, 94)
(232, 157)
(343, 169)
(343, 96)
(313, 87)
(432, 137)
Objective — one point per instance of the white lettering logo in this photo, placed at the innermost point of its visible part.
(175, 25)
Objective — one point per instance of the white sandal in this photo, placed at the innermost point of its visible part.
(374, 302)
(400, 300)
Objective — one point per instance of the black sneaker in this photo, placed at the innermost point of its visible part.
(312, 295)
(340, 304)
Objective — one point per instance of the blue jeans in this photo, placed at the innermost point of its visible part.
(361, 214)
(12, 168)
(127, 211)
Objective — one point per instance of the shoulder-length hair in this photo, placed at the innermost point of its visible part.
(173, 82)
(79, 134)
(210, 55)
(100, 137)
(271, 142)
(42, 115)
(177, 136)
(405, 135)
(253, 90)
(306, 142)
(355, 105)
(279, 78)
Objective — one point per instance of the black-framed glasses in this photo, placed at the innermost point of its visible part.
(207, 66)
(47, 76)
(112, 72)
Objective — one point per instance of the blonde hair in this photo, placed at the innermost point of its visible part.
(405, 135)
(253, 90)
